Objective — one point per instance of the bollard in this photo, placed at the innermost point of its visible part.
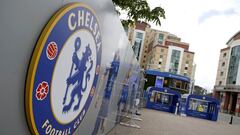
(176, 110)
(231, 120)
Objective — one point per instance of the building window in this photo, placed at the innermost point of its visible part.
(161, 56)
(221, 74)
(220, 82)
(185, 74)
(233, 65)
(223, 64)
(162, 50)
(225, 54)
(186, 68)
(174, 63)
(137, 44)
(187, 62)
(160, 38)
(139, 35)
(159, 62)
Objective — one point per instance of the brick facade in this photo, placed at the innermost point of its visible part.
(184, 46)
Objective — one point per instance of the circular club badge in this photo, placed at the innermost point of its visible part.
(63, 71)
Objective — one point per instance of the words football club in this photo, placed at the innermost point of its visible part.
(63, 71)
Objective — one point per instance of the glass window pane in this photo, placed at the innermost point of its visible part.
(175, 57)
(233, 65)
(139, 35)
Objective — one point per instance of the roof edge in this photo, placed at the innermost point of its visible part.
(232, 37)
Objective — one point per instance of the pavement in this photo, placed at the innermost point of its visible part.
(162, 123)
(225, 118)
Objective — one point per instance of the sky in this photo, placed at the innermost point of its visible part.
(206, 25)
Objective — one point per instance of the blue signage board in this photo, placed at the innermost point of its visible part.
(167, 74)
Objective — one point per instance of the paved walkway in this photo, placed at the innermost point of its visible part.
(225, 118)
(161, 123)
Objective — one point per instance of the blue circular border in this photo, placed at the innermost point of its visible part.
(41, 110)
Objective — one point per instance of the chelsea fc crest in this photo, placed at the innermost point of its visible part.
(63, 71)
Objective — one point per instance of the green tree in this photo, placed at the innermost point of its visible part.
(138, 10)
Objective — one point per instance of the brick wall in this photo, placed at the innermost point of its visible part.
(184, 46)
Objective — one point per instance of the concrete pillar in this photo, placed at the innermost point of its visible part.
(230, 102)
(226, 98)
(217, 95)
(223, 100)
(237, 110)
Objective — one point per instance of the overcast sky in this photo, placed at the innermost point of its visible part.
(206, 25)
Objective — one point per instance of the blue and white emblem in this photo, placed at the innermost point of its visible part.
(63, 72)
